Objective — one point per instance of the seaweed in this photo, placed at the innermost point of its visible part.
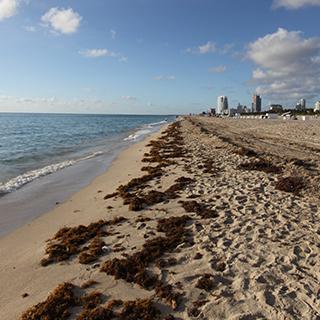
(167, 293)
(56, 306)
(260, 165)
(133, 268)
(163, 150)
(97, 313)
(92, 252)
(88, 284)
(206, 283)
(91, 300)
(200, 209)
(69, 241)
(204, 130)
(143, 219)
(111, 195)
(163, 263)
(139, 309)
(292, 184)
(208, 167)
(242, 151)
(179, 185)
(303, 163)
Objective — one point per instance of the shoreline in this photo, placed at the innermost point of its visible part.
(43, 194)
(20, 261)
(203, 223)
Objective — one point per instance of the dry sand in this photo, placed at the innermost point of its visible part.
(254, 256)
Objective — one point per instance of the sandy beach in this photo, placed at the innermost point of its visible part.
(208, 219)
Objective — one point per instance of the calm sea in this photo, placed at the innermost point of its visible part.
(33, 146)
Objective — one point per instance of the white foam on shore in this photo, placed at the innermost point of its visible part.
(157, 123)
(144, 131)
(137, 134)
(21, 180)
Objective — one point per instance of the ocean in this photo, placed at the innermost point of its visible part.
(44, 158)
(35, 145)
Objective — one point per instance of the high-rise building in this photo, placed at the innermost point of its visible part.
(317, 106)
(222, 106)
(239, 108)
(301, 104)
(256, 103)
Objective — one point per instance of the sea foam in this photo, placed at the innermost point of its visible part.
(21, 180)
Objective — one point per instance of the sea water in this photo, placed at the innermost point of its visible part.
(44, 158)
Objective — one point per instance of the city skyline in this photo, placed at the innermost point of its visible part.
(157, 57)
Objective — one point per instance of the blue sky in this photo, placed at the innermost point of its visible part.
(156, 56)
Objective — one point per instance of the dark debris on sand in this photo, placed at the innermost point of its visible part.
(261, 165)
(292, 184)
(200, 209)
(70, 241)
(61, 303)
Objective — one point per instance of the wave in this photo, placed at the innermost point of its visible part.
(157, 123)
(137, 134)
(23, 179)
(144, 131)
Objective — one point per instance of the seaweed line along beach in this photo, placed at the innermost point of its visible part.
(209, 218)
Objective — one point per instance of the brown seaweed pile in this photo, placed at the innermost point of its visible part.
(55, 307)
(209, 167)
(206, 283)
(242, 151)
(163, 150)
(143, 309)
(134, 268)
(88, 284)
(200, 209)
(92, 252)
(59, 303)
(261, 165)
(292, 184)
(69, 241)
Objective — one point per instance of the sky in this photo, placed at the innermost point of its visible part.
(156, 56)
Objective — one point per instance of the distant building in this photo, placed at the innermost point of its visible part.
(239, 108)
(222, 106)
(275, 108)
(232, 112)
(256, 103)
(211, 112)
(301, 105)
(317, 106)
(245, 109)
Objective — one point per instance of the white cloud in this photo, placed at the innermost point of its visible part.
(218, 69)
(211, 47)
(208, 47)
(129, 98)
(295, 4)
(161, 77)
(64, 21)
(113, 34)
(8, 8)
(288, 65)
(98, 53)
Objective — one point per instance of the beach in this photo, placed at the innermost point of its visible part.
(207, 219)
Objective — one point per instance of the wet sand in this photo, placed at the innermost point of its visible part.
(206, 233)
